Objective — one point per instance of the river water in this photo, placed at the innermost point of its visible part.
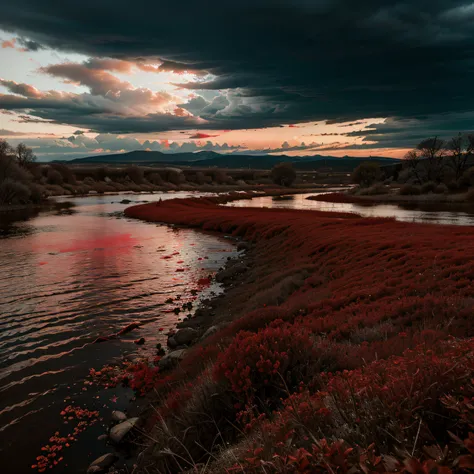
(68, 276)
(433, 213)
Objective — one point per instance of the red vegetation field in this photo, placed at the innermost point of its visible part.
(351, 350)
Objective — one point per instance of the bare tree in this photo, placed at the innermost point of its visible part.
(7, 159)
(432, 151)
(459, 149)
(24, 155)
(5, 147)
(412, 159)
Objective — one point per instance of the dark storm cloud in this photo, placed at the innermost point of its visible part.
(292, 60)
(173, 66)
(30, 45)
(353, 124)
(397, 132)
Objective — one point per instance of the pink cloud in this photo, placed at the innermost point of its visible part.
(115, 65)
(9, 44)
(180, 112)
(147, 67)
(22, 89)
(100, 82)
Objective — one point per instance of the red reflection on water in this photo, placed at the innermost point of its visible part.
(102, 243)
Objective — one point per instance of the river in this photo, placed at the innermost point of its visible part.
(69, 275)
(433, 213)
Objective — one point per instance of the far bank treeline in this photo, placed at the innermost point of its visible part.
(24, 181)
(434, 166)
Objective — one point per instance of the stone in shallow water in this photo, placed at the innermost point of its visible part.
(212, 330)
(118, 432)
(171, 342)
(171, 359)
(118, 416)
(102, 464)
(243, 246)
(185, 336)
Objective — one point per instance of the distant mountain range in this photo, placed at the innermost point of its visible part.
(210, 159)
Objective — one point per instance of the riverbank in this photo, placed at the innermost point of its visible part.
(273, 189)
(131, 187)
(47, 204)
(333, 322)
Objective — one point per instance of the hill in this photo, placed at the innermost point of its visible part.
(210, 159)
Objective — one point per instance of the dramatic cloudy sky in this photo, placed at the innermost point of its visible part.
(282, 76)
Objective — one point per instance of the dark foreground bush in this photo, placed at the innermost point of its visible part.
(283, 174)
(441, 189)
(13, 192)
(135, 173)
(366, 174)
(36, 193)
(428, 187)
(54, 177)
(409, 190)
(453, 186)
(375, 190)
(470, 195)
(467, 179)
(156, 179)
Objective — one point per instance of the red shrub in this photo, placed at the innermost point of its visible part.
(143, 377)
(266, 364)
